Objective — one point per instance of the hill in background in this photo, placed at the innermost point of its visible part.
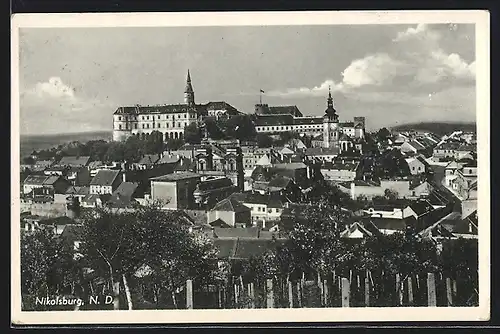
(439, 128)
(29, 143)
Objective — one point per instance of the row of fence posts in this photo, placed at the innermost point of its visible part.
(451, 290)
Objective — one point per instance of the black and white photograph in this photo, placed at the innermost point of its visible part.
(250, 167)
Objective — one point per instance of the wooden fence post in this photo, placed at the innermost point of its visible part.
(449, 296)
(189, 294)
(367, 290)
(431, 290)
(345, 292)
(399, 290)
(290, 295)
(236, 295)
(251, 294)
(410, 291)
(299, 294)
(270, 293)
(325, 291)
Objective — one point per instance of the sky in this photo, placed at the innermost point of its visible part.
(73, 79)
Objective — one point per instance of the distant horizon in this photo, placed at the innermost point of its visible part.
(111, 130)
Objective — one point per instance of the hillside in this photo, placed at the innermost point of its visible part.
(439, 128)
(28, 143)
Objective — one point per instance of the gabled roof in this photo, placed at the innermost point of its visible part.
(212, 184)
(314, 151)
(74, 161)
(123, 195)
(286, 150)
(230, 205)
(149, 159)
(219, 223)
(176, 177)
(353, 228)
(415, 144)
(72, 232)
(233, 233)
(158, 109)
(43, 180)
(105, 177)
(75, 190)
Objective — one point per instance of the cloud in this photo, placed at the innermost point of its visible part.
(416, 58)
(54, 107)
(54, 87)
(319, 90)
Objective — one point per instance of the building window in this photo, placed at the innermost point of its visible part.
(119, 126)
(143, 126)
(166, 125)
(147, 125)
(119, 118)
(159, 125)
(135, 125)
(178, 125)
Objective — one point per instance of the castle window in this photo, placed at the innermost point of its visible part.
(143, 126)
(147, 125)
(119, 126)
(135, 125)
(178, 125)
(159, 125)
(184, 115)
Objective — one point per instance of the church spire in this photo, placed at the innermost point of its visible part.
(189, 92)
(330, 100)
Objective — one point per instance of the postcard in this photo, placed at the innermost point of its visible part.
(257, 167)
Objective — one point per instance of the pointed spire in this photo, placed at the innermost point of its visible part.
(189, 87)
(188, 77)
(330, 99)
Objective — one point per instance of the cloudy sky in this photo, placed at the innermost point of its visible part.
(72, 79)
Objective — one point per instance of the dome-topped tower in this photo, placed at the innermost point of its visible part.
(330, 124)
(188, 91)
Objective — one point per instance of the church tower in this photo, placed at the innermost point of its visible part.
(330, 124)
(189, 92)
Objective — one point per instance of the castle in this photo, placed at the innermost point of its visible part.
(170, 120)
(325, 129)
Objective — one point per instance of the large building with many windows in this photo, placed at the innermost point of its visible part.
(170, 120)
(275, 120)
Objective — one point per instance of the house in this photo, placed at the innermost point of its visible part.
(147, 161)
(212, 190)
(41, 165)
(175, 190)
(322, 154)
(412, 147)
(355, 231)
(123, 196)
(72, 236)
(231, 212)
(239, 249)
(339, 171)
(264, 209)
(105, 182)
(79, 176)
(388, 226)
(445, 151)
(56, 170)
(464, 151)
(415, 165)
(452, 226)
(43, 184)
(78, 192)
(74, 161)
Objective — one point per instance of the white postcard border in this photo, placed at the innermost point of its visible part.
(386, 314)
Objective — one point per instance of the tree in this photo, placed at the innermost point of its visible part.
(192, 134)
(383, 134)
(134, 149)
(110, 246)
(47, 266)
(154, 143)
(264, 140)
(115, 152)
(391, 194)
(239, 127)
